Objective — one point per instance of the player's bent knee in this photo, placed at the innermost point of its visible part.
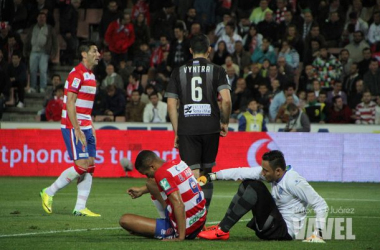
(126, 221)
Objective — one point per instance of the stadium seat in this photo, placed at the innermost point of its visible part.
(137, 128)
(281, 130)
(323, 130)
(109, 128)
(159, 128)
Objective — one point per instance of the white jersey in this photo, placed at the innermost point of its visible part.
(292, 194)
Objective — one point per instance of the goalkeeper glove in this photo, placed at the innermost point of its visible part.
(202, 180)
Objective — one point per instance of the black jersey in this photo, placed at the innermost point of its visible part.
(196, 84)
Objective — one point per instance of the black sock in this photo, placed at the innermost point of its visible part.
(208, 190)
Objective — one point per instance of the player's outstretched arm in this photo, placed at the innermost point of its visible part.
(179, 213)
(136, 192)
(173, 115)
(226, 111)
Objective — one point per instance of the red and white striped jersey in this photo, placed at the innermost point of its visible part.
(366, 113)
(80, 81)
(177, 176)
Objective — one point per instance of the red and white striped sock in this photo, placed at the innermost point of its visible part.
(63, 180)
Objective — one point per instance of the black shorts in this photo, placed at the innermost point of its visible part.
(199, 151)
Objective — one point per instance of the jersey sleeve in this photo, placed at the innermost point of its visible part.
(240, 174)
(165, 182)
(301, 189)
(74, 82)
(223, 82)
(172, 88)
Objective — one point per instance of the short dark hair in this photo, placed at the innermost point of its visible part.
(322, 92)
(153, 93)
(144, 158)
(275, 158)
(135, 91)
(231, 25)
(291, 107)
(290, 85)
(56, 75)
(59, 87)
(17, 53)
(199, 44)
(85, 47)
(336, 98)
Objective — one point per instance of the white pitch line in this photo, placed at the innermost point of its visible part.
(116, 228)
(331, 199)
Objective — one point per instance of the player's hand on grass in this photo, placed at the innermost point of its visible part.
(135, 192)
(223, 129)
(79, 135)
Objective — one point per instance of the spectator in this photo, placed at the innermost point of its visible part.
(4, 91)
(240, 97)
(333, 6)
(314, 110)
(49, 94)
(149, 89)
(374, 29)
(322, 98)
(55, 105)
(350, 80)
(307, 78)
(252, 40)
(346, 61)
(115, 101)
(283, 114)
(263, 98)
(230, 38)
(291, 56)
(191, 17)
(110, 14)
(134, 84)
(99, 102)
(20, 16)
(243, 25)
(285, 24)
(68, 24)
(241, 57)
(273, 74)
(298, 121)
(232, 77)
(155, 80)
(195, 30)
(258, 13)
(141, 7)
(4, 32)
(280, 99)
(141, 60)
(120, 36)
(314, 34)
(268, 27)
(372, 78)
(280, 10)
(41, 42)
(100, 69)
(265, 51)
(316, 87)
(251, 120)
(18, 77)
(179, 49)
(112, 78)
(364, 64)
(164, 21)
(362, 12)
(356, 46)
(328, 68)
(377, 110)
(158, 53)
(220, 54)
(135, 108)
(155, 111)
(312, 52)
(275, 85)
(355, 24)
(332, 30)
(125, 70)
(294, 38)
(254, 79)
(43, 6)
(142, 33)
(366, 110)
(357, 96)
(12, 46)
(230, 64)
(220, 29)
(339, 112)
(301, 94)
(308, 22)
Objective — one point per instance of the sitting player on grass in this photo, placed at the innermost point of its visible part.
(279, 216)
(175, 183)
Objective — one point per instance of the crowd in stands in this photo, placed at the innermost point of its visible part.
(287, 61)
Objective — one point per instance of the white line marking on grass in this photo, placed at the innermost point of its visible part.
(61, 231)
(331, 199)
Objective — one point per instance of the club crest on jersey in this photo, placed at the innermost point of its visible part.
(165, 184)
(75, 83)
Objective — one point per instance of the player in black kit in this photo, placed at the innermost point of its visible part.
(198, 123)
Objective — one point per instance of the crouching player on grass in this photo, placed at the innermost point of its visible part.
(279, 216)
(185, 213)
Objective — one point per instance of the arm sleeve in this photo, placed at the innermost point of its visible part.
(240, 174)
(301, 189)
(74, 80)
(172, 89)
(165, 182)
(223, 80)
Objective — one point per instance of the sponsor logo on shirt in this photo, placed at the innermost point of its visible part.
(75, 83)
(196, 217)
(165, 184)
(197, 110)
(83, 154)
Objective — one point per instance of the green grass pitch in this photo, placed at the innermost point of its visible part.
(24, 225)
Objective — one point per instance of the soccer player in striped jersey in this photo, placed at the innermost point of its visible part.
(177, 186)
(78, 132)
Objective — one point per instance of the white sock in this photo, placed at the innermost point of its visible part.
(160, 209)
(84, 188)
(63, 180)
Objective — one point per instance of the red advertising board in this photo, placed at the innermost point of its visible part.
(36, 152)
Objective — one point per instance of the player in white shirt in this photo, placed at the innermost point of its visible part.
(277, 218)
